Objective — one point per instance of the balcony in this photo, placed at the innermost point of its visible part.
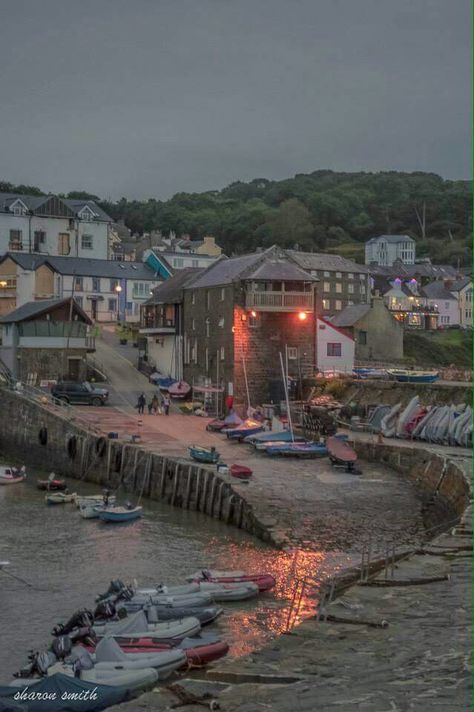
(151, 325)
(279, 301)
(15, 246)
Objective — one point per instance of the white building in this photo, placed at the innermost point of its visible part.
(49, 225)
(335, 348)
(106, 290)
(440, 298)
(462, 290)
(386, 249)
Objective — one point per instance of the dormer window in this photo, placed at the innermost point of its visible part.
(18, 208)
(86, 213)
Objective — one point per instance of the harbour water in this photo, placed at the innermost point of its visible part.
(67, 560)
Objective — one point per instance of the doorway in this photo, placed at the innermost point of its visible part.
(94, 309)
(73, 368)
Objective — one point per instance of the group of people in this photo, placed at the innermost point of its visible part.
(156, 406)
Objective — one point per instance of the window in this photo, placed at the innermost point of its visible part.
(349, 303)
(87, 242)
(193, 324)
(19, 210)
(338, 306)
(39, 238)
(15, 240)
(350, 275)
(334, 349)
(222, 294)
(350, 288)
(129, 306)
(446, 305)
(362, 338)
(327, 274)
(78, 284)
(112, 305)
(362, 277)
(222, 353)
(292, 353)
(79, 301)
(208, 327)
(64, 247)
(221, 322)
(141, 289)
(326, 304)
(194, 263)
(362, 288)
(339, 287)
(326, 287)
(96, 284)
(253, 322)
(178, 262)
(193, 298)
(338, 275)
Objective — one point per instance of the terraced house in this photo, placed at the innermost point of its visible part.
(239, 315)
(50, 225)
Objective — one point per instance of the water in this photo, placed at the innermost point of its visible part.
(68, 560)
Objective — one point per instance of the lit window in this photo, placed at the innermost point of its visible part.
(339, 287)
(326, 287)
(326, 304)
(338, 306)
(334, 349)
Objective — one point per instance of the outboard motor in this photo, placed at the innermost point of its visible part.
(38, 665)
(62, 646)
(81, 619)
(85, 635)
(105, 611)
(115, 588)
(152, 614)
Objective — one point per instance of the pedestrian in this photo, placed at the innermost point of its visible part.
(154, 405)
(166, 404)
(141, 403)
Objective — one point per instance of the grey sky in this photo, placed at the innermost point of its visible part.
(145, 98)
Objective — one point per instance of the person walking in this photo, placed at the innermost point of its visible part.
(141, 403)
(166, 404)
(155, 403)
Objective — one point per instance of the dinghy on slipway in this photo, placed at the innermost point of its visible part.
(137, 626)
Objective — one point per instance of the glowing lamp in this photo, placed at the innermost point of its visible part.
(302, 316)
(3, 283)
(253, 314)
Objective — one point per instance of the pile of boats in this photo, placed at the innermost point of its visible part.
(445, 424)
(133, 638)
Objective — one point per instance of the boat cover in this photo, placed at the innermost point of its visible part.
(109, 651)
(61, 693)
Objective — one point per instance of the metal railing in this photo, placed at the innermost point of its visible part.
(278, 301)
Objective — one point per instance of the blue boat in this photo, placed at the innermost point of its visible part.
(120, 514)
(163, 382)
(268, 437)
(297, 449)
(248, 427)
(405, 376)
(369, 373)
(208, 455)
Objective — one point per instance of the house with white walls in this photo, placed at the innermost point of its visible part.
(437, 296)
(335, 348)
(462, 290)
(384, 250)
(50, 225)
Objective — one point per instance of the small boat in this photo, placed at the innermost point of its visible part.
(248, 427)
(405, 376)
(204, 454)
(137, 626)
(265, 582)
(389, 421)
(214, 426)
(306, 449)
(90, 511)
(241, 472)
(12, 475)
(165, 383)
(180, 389)
(120, 514)
(369, 373)
(341, 453)
(59, 498)
(269, 436)
(108, 653)
(51, 485)
(91, 500)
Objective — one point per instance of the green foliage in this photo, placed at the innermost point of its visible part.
(318, 211)
(439, 348)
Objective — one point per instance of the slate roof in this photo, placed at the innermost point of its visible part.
(324, 261)
(31, 309)
(392, 239)
(350, 315)
(26, 260)
(460, 284)
(437, 290)
(430, 271)
(84, 267)
(33, 202)
(171, 291)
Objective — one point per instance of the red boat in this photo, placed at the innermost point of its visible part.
(341, 453)
(198, 653)
(240, 471)
(51, 485)
(265, 582)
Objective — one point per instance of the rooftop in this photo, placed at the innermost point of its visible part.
(350, 315)
(85, 267)
(437, 290)
(324, 261)
(33, 309)
(392, 239)
(171, 291)
(33, 203)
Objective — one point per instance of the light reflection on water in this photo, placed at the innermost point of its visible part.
(70, 560)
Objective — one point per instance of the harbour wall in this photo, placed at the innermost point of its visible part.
(36, 432)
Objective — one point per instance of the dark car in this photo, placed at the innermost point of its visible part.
(81, 393)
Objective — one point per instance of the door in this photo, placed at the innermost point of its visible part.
(73, 369)
(94, 309)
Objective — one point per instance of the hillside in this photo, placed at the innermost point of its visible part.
(439, 348)
(323, 210)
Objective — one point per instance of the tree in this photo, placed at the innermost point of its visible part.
(291, 225)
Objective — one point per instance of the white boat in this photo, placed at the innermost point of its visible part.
(137, 626)
(406, 415)
(109, 654)
(92, 499)
(389, 422)
(219, 592)
(58, 498)
(12, 475)
(90, 511)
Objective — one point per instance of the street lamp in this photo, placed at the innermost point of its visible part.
(118, 289)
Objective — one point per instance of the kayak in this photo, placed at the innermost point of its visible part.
(241, 472)
(265, 582)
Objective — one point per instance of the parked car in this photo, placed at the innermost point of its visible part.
(81, 393)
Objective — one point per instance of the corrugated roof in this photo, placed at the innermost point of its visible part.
(32, 309)
(350, 315)
(437, 290)
(171, 291)
(324, 261)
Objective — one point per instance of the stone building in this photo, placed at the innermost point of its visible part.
(46, 340)
(378, 335)
(240, 314)
(342, 282)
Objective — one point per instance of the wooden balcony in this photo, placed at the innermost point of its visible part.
(279, 301)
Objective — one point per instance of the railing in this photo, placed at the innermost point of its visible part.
(153, 323)
(279, 301)
(90, 343)
(15, 246)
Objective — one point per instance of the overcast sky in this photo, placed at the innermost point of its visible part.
(145, 98)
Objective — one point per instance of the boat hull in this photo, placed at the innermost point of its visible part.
(109, 515)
